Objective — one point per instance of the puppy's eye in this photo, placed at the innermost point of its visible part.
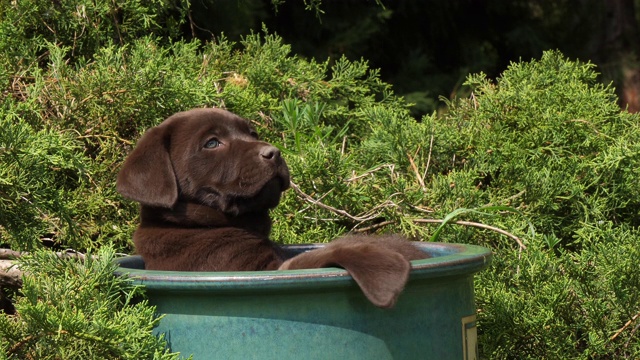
(254, 134)
(211, 144)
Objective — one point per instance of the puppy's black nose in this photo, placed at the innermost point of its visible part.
(270, 153)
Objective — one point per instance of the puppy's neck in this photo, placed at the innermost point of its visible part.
(188, 214)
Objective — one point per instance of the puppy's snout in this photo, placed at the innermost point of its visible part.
(270, 153)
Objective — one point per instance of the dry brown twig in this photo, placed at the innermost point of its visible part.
(478, 225)
(372, 214)
(426, 169)
(362, 218)
(416, 171)
(19, 344)
(391, 168)
(623, 328)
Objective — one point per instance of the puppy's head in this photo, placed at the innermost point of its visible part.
(206, 156)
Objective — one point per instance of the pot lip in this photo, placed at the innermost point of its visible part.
(447, 260)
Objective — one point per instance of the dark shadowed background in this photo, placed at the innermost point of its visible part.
(427, 48)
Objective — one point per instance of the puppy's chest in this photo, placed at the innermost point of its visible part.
(220, 249)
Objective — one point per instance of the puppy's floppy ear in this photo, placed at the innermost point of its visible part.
(381, 273)
(147, 174)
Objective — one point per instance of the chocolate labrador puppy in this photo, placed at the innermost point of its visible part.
(206, 184)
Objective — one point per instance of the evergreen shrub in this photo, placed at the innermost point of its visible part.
(547, 138)
(74, 309)
(541, 152)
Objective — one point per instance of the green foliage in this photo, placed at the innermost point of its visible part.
(40, 169)
(102, 106)
(547, 139)
(73, 309)
(570, 305)
(548, 129)
(542, 152)
(26, 27)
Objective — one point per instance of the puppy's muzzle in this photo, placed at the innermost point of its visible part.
(271, 156)
(270, 153)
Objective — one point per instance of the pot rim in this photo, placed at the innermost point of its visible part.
(447, 260)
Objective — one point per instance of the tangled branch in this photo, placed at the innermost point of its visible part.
(478, 225)
(366, 217)
(371, 215)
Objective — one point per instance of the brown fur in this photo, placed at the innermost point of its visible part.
(206, 184)
(379, 264)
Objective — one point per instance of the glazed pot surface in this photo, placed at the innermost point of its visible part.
(318, 313)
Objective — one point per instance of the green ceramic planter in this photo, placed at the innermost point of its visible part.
(318, 313)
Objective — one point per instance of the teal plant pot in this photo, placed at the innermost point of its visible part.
(318, 313)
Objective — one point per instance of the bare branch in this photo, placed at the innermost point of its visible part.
(478, 225)
(390, 166)
(372, 214)
(426, 169)
(313, 201)
(626, 325)
(20, 343)
(415, 170)
(374, 226)
(438, 221)
(422, 209)
(513, 197)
